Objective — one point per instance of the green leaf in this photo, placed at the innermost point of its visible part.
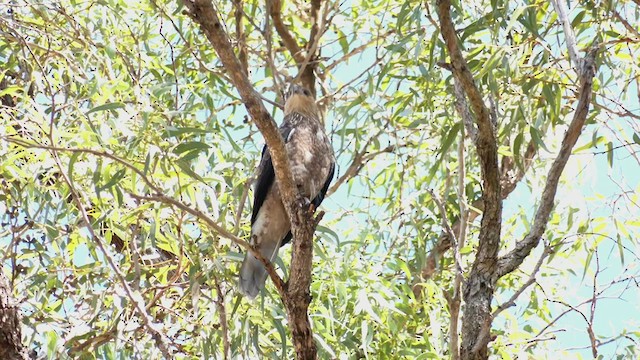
(517, 145)
(108, 106)
(451, 136)
(186, 168)
(231, 140)
(10, 90)
(537, 138)
(72, 162)
(190, 146)
(172, 131)
(114, 180)
(610, 153)
(342, 40)
(331, 234)
(578, 19)
(513, 18)
(594, 143)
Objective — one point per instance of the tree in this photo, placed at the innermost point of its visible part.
(460, 223)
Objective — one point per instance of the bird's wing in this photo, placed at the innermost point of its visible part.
(266, 174)
(323, 192)
(317, 200)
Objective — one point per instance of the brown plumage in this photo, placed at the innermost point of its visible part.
(312, 165)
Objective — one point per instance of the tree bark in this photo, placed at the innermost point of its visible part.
(295, 297)
(487, 268)
(479, 287)
(11, 347)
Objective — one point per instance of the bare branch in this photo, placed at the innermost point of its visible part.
(240, 36)
(268, 36)
(456, 298)
(243, 199)
(307, 68)
(511, 176)
(203, 13)
(570, 38)
(463, 110)
(445, 225)
(625, 23)
(462, 73)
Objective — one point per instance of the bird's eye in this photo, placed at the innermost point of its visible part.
(306, 92)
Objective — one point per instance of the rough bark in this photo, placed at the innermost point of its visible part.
(487, 268)
(11, 347)
(479, 287)
(296, 297)
(306, 62)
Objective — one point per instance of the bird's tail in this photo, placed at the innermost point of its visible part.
(253, 273)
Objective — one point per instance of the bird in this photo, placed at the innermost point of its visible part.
(312, 162)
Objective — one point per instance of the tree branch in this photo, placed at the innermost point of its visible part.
(532, 278)
(359, 161)
(305, 62)
(11, 347)
(204, 14)
(222, 313)
(478, 290)
(289, 42)
(447, 228)
(160, 338)
(241, 40)
(306, 69)
(570, 38)
(296, 298)
(515, 257)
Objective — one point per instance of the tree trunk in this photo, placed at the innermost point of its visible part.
(10, 332)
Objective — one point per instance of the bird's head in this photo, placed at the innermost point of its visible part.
(300, 99)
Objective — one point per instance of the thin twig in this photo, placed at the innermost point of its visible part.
(222, 313)
(357, 50)
(447, 228)
(241, 204)
(532, 279)
(159, 336)
(240, 36)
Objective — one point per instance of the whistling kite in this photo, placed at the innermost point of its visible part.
(312, 164)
